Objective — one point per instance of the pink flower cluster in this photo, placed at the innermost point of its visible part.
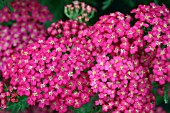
(121, 61)
(160, 110)
(7, 95)
(157, 18)
(122, 84)
(108, 32)
(28, 17)
(68, 29)
(27, 10)
(35, 109)
(50, 72)
(16, 37)
(129, 55)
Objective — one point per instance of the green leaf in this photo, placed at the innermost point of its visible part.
(5, 88)
(163, 46)
(56, 8)
(9, 23)
(21, 105)
(47, 24)
(166, 93)
(6, 3)
(89, 107)
(106, 4)
(10, 8)
(97, 109)
(155, 84)
(130, 3)
(2, 4)
(159, 99)
(156, 1)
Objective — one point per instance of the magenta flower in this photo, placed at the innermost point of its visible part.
(25, 30)
(55, 66)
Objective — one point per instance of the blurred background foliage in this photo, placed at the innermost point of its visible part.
(103, 7)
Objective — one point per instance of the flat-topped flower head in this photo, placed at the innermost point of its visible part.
(121, 82)
(25, 11)
(156, 36)
(66, 29)
(112, 34)
(17, 37)
(56, 67)
(25, 26)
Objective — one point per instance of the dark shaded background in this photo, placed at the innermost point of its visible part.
(103, 7)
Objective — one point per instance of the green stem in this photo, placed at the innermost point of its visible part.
(166, 93)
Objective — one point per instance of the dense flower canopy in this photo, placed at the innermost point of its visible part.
(25, 10)
(55, 66)
(118, 58)
(26, 26)
(127, 55)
